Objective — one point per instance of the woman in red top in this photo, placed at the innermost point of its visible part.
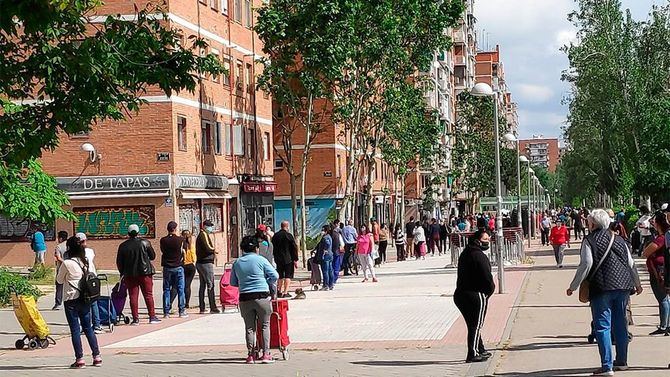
(654, 252)
(558, 237)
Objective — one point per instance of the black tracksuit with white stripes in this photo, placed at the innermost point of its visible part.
(474, 286)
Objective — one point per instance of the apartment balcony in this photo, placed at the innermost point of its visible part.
(460, 60)
(460, 36)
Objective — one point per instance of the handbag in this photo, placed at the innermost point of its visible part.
(585, 286)
(375, 252)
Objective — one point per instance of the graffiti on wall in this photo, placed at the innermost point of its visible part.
(20, 230)
(214, 213)
(189, 218)
(113, 222)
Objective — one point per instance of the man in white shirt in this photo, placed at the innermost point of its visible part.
(60, 254)
(644, 227)
(90, 257)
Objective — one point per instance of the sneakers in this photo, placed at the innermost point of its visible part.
(365, 280)
(97, 361)
(267, 359)
(154, 320)
(215, 311)
(203, 312)
(324, 289)
(250, 359)
(135, 322)
(166, 316)
(98, 330)
(374, 280)
(56, 307)
(287, 295)
(476, 359)
(330, 288)
(183, 315)
(603, 372)
(79, 364)
(658, 331)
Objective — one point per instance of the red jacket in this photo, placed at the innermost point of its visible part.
(559, 236)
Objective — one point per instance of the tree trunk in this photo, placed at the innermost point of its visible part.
(294, 205)
(402, 199)
(370, 198)
(303, 218)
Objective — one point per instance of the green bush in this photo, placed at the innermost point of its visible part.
(10, 282)
(41, 274)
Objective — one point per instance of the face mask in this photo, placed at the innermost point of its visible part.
(484, 245)
(210, 229)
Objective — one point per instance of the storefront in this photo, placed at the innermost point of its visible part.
(257, 204)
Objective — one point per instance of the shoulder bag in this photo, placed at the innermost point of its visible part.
(584, 287)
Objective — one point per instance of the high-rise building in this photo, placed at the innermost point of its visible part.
(541, 151)
(465, 49)
(186, 157)
(490, 70)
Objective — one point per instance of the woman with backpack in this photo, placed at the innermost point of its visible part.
(77, 307)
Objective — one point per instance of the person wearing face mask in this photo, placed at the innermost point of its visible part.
(474, 286)
(205, 252)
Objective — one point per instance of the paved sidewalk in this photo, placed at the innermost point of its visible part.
(549, 332)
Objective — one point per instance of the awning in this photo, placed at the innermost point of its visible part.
(205, 195)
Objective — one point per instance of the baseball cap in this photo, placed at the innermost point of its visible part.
(262, 227)
(81, 236)
(133, 228)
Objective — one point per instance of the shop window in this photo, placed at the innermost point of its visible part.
(181, 133)
(214, 213)
(218, 146)
(206, 137)
(266, 146)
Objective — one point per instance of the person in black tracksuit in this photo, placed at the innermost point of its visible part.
(474, 286)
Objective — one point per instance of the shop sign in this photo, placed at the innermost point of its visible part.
(202, 182)
(21, 230)
(259, 186)
(113, 222)
(116, 183)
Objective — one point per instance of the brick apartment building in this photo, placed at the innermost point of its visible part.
(490, 70)
(541, 151)
(188, 157)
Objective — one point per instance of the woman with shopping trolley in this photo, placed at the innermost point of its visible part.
(255, 277)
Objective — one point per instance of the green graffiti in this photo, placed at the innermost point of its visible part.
(109, 223)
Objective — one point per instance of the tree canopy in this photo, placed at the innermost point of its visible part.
(60, 73)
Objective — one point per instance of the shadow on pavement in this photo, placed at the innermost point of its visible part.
(232, 360)
(405, 363)
(541, 268)
(34, 367)
(547, 345)
(570, 372)
(583, 306)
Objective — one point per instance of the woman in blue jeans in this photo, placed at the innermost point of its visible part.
(324, 254)
(655, 253)
(607, 263)
(77, 311)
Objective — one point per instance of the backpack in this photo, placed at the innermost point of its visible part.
(89, 286)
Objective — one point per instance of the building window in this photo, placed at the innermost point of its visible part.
(238, 140)
(247, 78)
(224, 7)
(226, 75)
(206, 137)
(218, 145)
(240, 73)
(247, 13)
(215, 77)
(214, 4)
(251, 150)
(181, 133)
(227, 140)
(266, 146)
(238, 11)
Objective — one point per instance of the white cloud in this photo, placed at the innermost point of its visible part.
(547, 123)
(534, 93)
(564, 38)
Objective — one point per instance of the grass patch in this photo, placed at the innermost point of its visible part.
(42, 275)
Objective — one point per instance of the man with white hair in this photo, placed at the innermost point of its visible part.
(607, 264)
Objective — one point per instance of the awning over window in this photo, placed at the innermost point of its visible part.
(205, 195)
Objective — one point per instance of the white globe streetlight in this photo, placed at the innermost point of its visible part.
(484, 90)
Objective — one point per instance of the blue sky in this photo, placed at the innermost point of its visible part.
(530, 33)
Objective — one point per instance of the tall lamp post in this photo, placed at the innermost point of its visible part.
(512, 138)
(484, 90)
(524, 159)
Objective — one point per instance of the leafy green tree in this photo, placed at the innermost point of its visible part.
(306, 44)
(60, 73)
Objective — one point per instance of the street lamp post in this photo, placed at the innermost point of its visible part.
(512, 138)
(484, 90)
